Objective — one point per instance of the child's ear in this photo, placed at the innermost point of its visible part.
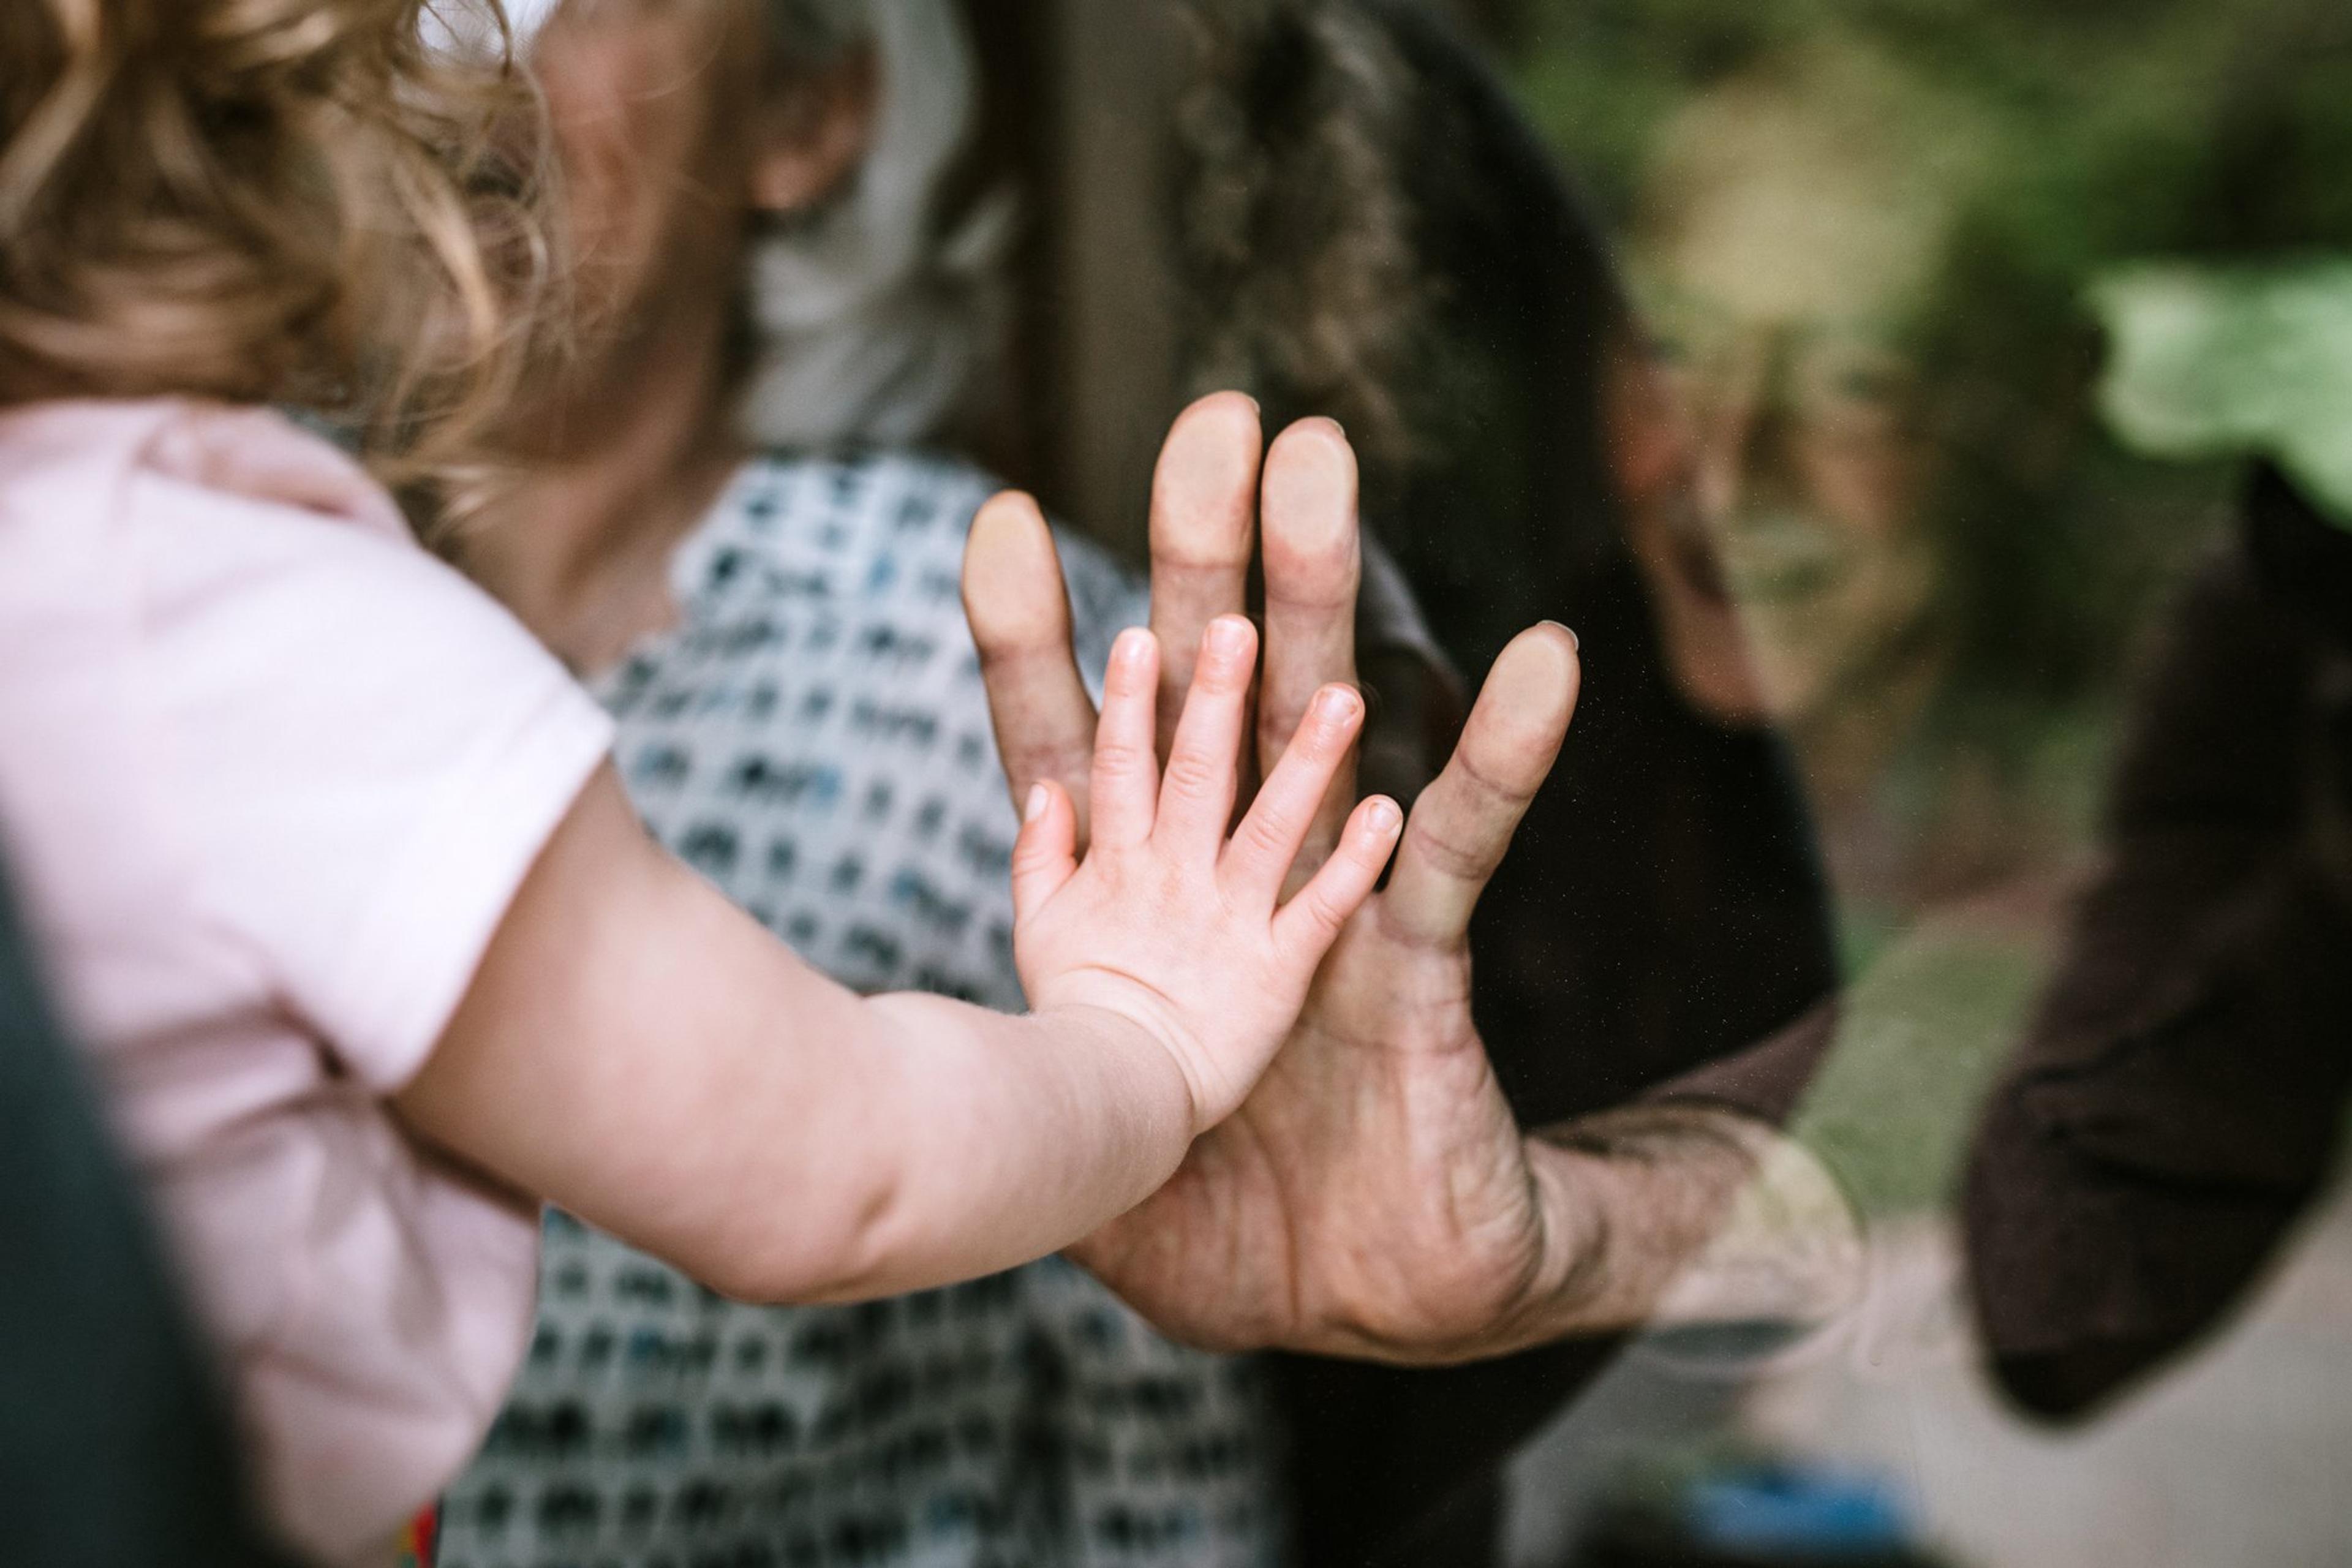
(813, 131)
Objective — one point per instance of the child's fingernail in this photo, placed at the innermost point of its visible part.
(1129, 649)
(1039, 798)
(1228, 636)
(1385, 818)
(1334, 704)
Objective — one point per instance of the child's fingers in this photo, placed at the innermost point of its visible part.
(1045, 854)
(1126, 776)
(1259, 860)
(1311, 922)
(1196, 798)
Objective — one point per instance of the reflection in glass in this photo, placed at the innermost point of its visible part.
(1883, 256)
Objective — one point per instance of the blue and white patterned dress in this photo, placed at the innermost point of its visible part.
(813, 737)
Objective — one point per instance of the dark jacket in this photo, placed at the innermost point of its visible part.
(115, 1451)
(2177, 1103)
(1662, 909)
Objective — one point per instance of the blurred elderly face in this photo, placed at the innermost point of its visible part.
(1779, 295)
(642, 96)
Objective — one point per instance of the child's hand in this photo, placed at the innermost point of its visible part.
(1169, 922)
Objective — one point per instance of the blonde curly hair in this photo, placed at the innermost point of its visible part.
(300, 202)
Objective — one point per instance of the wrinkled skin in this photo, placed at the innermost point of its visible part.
(1374, 1196)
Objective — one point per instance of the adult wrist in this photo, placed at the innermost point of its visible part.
(1680, 1215)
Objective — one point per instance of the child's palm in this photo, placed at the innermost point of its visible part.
(1171, 923)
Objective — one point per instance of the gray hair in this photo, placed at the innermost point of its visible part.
(870, 317)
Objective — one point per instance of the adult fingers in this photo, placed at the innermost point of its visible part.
(1314, 567)
(1196, 798)
(1126, 765)
(1020, 615)
(1202, 534)
(1463, 822)
(1266, 847)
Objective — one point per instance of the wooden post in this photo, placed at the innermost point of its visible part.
(1078, 110)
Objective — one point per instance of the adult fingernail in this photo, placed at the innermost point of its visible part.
(1039, 797)
(1573, 640)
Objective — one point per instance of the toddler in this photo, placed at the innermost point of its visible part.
(367, 978)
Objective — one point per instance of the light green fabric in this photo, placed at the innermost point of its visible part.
(2213, 361)
(1922, 1035)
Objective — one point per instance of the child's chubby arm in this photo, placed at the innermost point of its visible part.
(639, 1051)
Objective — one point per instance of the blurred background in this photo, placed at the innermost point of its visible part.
(1966, 322)
(1935, 417)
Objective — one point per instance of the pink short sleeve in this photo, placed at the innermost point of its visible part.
(272, 777)
(365, 751)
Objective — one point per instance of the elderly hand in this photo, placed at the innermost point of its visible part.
(1372, 1194)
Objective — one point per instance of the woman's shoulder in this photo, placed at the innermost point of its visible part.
(53, 442)
(121, 457)
(122, 510)
(203, 537)
(130, 520)
(233, 592)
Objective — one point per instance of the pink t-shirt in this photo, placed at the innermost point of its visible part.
(269, 774)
